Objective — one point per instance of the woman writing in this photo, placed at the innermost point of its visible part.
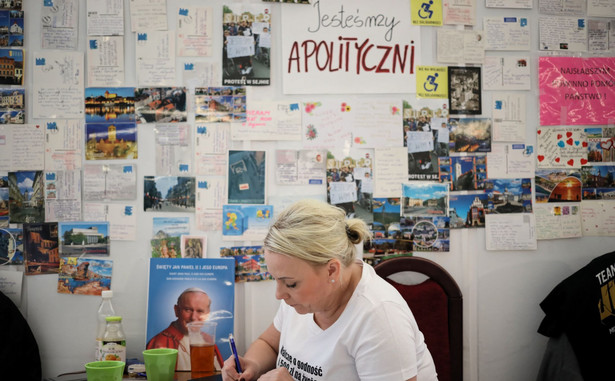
(339, 320)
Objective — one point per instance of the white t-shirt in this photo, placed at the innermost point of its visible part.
(375, 338)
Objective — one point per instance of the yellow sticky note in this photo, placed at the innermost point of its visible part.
(432, 82)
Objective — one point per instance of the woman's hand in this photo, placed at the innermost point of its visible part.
(229, 371)
(278, 374)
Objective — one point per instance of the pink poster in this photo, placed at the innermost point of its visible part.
(577, 91)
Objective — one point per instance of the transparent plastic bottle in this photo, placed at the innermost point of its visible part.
(105, 309)
(114, 340)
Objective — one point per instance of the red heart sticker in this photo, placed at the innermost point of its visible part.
(559, 136)
(557, 159)
(570, 162)
(568, 134)
(584, 144)
(583, 161)
(569, 141)
(606, 144)
(539, 131)
(541, 157)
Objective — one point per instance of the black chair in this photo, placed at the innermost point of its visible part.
(436, 304)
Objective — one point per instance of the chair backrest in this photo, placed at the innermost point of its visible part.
(436, 305)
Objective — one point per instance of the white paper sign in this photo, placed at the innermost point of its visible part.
(511, 231)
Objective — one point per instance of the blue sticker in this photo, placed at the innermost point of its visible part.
(183, 12)
(93, 44)
(498, 105)
(518, 146)
(50, 176)
(315, 181)
(183, 167)
(523, 22)
(52, 126)
(48, 3)
(128, 210)
(529, 150)
(510, 19)
(201, 130)
(294, 106)
(560, 144)
(128, 169)
(141, 36)
(188, 66)
(203, 185)
(39, 62)
(581, 23)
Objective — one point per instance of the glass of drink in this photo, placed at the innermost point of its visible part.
(202, 336)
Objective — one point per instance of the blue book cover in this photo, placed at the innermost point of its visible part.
(170, 277)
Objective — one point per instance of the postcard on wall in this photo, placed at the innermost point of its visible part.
(79, 238)
(246, 222)
(506, 73)
(58, 82)
(4, 206)
(14, 58)
(84, 276)
(508, 111)
(507, 33)
(167, 232)
(390, 171)
(300, 167)
(509, 161)
(567, 8)
(12, 22)
(511, 232)
(463, 172)
(323, 125)
(26, 197)
(193, 246)
(598, 218)
(210, 197)
(13, 106)
(568, 34)
(468, 209)
(556, 221)
(431, 82)
(109, 182)
(63, 142)
(427, 14)
(11, 251)
(340, 60)
(561, 147)
(195, 31)
(459, 12)
(362, 115)
(349, 181)
(520, 4)
(41, 251)
(11, 285)
(250, 263)
(210, 148)
(247, 175)
(201, 74)
(169, 194)
(600, 144)
(598, 182)
(247, 44)
(430, 234)
(13, 140)
(464, 90)
(422, 198)
(148, 15)
(121, 217)
(470, 135)
(111, 105)
(160, 104)
(506, 196)
(268, 120)
(557, 185)
(600, 8)
(105, 58)
(108, 141)
(173, 149)
(62, 195)
(598, 36)
(168, 278)
(105, 17)
(155, 58)
(60, 24)
(220, 104)
(460, 46)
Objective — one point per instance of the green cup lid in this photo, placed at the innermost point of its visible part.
(113, 318)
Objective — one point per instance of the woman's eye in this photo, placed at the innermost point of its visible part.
(292, 285)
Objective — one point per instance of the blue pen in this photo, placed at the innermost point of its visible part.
(231, 341)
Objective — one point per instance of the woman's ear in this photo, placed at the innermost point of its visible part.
(333, 269)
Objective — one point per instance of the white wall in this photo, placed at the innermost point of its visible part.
(501, 289)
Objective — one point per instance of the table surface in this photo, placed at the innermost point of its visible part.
(183, 376)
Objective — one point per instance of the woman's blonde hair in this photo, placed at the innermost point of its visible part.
(316, 232)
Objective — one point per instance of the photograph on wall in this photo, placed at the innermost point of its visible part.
(467, 209)
(464, 90)
(427, 233)
(41, 251)
(13, 67)
(247, 175)
(463, 172)
(246, 46)
(242, 222)
(109, 141)
(79, 238)
(84, 276)
(4, 207)
(109, 105)
(169, 194)
(220, 104)
(426, 135)
(561, 147)
(469, 135)
(193, 246)
(250, 263)
(26, 197)
(423, 198)
(168, 280)
(11, 28)
(350, 184)
(598, 182)
(11, 246)
(558, 185)
(167, 233)
(12, 106)
(160, 104)
(600, 144)
(387, 238)
(509, 196)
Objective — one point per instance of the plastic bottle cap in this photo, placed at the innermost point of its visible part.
(107, 294)
(113, 318)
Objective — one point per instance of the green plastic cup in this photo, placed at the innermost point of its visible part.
(105, 370)
(160, 363)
